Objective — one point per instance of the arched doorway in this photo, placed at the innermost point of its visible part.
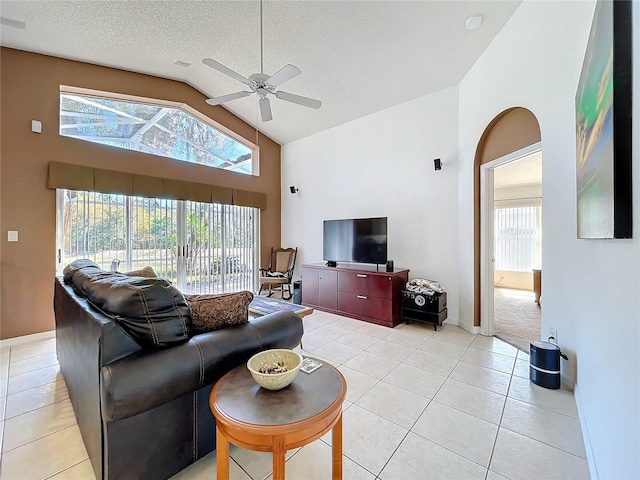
(511, 131)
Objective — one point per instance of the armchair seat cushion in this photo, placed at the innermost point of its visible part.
(274, 274)
(274, 280)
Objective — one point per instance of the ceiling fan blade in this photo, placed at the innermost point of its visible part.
(265, 109)
(227, 98)
(285, 74)
(300, 100)
(226, 70)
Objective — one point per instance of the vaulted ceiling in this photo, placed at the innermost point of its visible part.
(357, 57)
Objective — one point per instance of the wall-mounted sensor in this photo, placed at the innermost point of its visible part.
(293, 189)
(437, 163)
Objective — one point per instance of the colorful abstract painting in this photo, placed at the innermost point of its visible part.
(603, 127)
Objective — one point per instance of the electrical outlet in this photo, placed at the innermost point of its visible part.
(553, 333)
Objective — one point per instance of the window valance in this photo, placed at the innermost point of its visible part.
(79, 177)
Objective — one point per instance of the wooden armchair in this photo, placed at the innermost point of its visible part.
(280, 272)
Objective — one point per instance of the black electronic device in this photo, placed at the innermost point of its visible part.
(423, 307)
(297, 292)
(389, 265)
(544, 364)
(358, 240)
(331, 263)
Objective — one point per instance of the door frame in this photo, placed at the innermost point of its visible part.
(487, 253)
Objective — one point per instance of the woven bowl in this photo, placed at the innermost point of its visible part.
(274, 381)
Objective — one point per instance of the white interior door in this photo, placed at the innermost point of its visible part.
(487, 233)
(487, 249)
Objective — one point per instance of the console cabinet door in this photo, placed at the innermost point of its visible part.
(310, 286)
(327, 289)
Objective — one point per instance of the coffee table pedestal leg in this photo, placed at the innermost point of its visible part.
(279, 452)
(222, 455)
(336, 441)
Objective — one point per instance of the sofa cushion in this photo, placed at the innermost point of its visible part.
(143, 272)
(212, 312)
(151, 310)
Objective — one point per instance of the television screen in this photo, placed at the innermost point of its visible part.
(359, 240)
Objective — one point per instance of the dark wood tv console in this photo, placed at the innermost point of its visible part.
(355, 291)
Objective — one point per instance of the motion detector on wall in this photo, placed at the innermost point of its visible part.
(437, 163)
(293, 189)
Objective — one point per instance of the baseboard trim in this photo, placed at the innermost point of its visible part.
(593, 469)
(34, 337)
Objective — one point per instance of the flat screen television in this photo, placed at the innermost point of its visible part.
(358, 240)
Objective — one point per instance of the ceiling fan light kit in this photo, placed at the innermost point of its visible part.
(262, 84)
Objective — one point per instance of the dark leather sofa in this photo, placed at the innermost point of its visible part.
(143, 410)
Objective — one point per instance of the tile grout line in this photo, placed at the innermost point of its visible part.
(544, 443)
(238, 464)
(543, 408)
(378, 380)
(410, 430)
(41, 437)
(69, 468)
(38, 408)
(34, 370)
(504, 406)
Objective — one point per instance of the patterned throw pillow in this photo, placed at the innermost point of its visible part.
(213, 312)
(143, 272)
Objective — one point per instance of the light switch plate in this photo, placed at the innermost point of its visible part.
(36, 126)
(12, 236)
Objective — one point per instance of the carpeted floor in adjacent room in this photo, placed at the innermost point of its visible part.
(516, 317)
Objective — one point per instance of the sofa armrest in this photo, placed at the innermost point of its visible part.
(151, 378)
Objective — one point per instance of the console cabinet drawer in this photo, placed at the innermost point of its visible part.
(364, 283)
(365, 305)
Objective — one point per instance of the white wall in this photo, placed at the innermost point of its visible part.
(382, 165)
(590, 287)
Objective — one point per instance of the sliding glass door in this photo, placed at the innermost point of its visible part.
(200, 247)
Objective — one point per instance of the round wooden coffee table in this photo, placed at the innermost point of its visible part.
(254, 418)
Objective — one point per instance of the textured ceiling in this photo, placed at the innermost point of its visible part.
(358, 57)
(526, 171)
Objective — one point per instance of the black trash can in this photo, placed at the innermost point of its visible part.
(544, 369)
(297, 292)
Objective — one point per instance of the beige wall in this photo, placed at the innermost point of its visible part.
(508, 132)
(30, 86)
(517, 280)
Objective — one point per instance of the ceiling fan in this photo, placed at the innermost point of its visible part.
(262, 84)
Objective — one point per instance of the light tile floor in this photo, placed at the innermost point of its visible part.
(420, 404)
